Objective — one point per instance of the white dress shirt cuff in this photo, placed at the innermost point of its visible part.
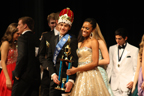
(70, 80)
(52, 75)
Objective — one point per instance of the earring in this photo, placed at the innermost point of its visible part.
(91, 35)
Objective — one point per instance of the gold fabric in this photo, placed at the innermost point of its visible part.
(88, 83)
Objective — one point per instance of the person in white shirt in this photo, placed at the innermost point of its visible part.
(123, 63)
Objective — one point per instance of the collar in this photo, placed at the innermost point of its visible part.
(25, 31)
(56, 32)
(60, 35)
(122, 46)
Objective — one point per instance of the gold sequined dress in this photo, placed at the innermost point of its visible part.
(88, 83)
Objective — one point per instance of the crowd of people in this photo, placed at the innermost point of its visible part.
(95, 70)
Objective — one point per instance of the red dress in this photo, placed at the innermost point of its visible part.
(11, 63)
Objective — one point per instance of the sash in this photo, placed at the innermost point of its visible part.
(59, 46)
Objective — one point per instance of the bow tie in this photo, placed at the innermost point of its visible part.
(121, 47)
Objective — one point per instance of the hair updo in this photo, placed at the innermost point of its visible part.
(92, 21)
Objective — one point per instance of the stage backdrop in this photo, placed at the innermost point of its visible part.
(110, 15)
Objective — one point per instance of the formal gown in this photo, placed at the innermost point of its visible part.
(11, 63)
(104, 75)
(135, 93)
(140, 81)
(88, 83)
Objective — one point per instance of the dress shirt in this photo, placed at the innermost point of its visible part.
(56, 32)
(121, 49)
(25, 31)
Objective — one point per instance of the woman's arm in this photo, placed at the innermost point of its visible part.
(105, 55)
(143, 68)
(4, 52)
(136, 73)
(95, 59)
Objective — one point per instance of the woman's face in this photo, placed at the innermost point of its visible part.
(86, 29)
(16, 35)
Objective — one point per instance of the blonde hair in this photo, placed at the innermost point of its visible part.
(51, 16)
(57, 15)
(141, 45)
(97, 33)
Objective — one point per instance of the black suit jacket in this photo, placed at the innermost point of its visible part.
(27, 65)
(43, 48)
(52, 69)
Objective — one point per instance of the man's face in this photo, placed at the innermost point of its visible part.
(21, 27)
(64, 28)
(120, 40)
(52, 24)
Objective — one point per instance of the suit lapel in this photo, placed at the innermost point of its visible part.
(116, 53)
(56, 40)
(125, 52)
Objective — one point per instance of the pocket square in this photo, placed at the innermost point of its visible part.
(128, 56)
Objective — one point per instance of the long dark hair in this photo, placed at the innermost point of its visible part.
(93, 22)
(8, 35)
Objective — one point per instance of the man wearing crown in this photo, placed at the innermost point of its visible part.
(56, 50)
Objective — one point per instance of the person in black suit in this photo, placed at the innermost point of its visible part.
(44, 44)
(27, 71)
(53, 62)
(43, 49)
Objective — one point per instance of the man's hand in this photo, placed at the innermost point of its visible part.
(68, 86)
(16, 78)
(55, 79)
(130, 85)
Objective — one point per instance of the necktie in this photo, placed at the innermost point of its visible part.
(60, 38)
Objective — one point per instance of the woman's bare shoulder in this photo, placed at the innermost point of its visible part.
(4, 45)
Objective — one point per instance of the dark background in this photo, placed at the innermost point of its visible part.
(110, 14)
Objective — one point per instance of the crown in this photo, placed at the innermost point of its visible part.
(66, 16)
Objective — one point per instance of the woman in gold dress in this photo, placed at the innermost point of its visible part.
(89, 81)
